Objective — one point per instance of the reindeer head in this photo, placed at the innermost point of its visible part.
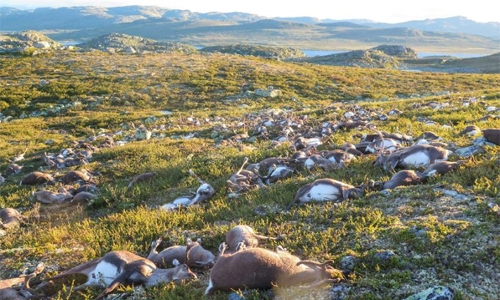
(181, 272)
(197, 256)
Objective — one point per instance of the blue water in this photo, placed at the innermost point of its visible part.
(311, 53)
(69, 43)
(458, 55)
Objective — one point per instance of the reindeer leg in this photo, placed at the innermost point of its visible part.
(113, 285)
(222, 248)
(245, 161)
(154, 245)
(196, 176)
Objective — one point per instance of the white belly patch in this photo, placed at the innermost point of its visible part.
(416, 159)
(322, 192)
(104, 273)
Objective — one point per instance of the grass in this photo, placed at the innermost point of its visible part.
(437, 239)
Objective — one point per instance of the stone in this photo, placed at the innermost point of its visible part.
(347, 263)
(434, 293)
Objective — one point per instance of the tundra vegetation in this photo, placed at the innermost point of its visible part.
(400, 241)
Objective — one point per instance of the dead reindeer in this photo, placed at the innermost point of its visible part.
(403, 178)
(13, 169)
(430, 136)
(88, 187)
(416, 155)
(203, 193)
(325, 189)
(351, 149)
(470, 130)
(73, 176)
(10, 218)
(36, 177)
(442, 167)
(265, 165)
(192, 254)
(20, 156)
(337, 156)
(278, 172)
(305, 143)
(259, 268)
(124, 267)
(48, 197)
(363, 147)
(389, 145)
(83, 197)
(243, 234)
(18, 288)
(403, 139)
(244, 180)
(318, 161)
(141, 178)
(492, 135)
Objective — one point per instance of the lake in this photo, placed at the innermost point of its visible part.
(311, 53)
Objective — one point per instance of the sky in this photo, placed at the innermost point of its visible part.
(387, 11)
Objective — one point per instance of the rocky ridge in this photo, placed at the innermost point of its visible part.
(123, 43)
(383, 56)
(26, 41)
(258, 50)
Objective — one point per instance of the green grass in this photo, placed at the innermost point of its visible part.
(437, 239)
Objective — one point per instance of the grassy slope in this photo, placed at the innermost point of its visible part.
(459, 247)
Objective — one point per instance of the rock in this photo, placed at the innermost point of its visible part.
(339, 292)
(434, 293)
(269, 93)
(385, 255)
(123, 43)
(257, 50)
(234, 296)
(397, 50)
(347, 263)
(42, 45)
(468, 151)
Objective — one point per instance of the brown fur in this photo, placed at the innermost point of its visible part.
(35, 178)
(9, 218)
(192, 254)
(243, 234)
(133, 270)
(258, 268)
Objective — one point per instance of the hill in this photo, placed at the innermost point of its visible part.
(382, 56)
(213, 29)
(256, 50)
(116, 43)
(27, 41)
(485, 64)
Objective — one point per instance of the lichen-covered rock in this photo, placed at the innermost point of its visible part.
(20, 42)
(434, 293)
(371, 58)
(123, 43)
(397, 50)
(257, 50)
(347, 263)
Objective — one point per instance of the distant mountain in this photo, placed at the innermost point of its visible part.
(453, 24)
(212, 29)
(80, 17)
